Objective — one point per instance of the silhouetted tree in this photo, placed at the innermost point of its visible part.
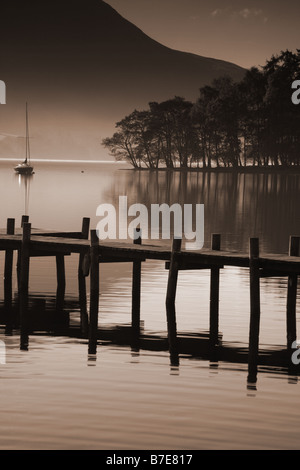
(282, 139)
(252, 118)
(172, 125)
(253, 122)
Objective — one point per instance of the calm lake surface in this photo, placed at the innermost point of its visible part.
(53, 396)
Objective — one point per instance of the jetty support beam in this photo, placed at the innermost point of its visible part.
(136, 291)
(8, 270)
(292, 296)
(254, 310)
(82, 282)
(23, 285)
(214, 295)
(94, 292)
(170, 301)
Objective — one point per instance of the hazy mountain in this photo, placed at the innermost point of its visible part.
(82, 66)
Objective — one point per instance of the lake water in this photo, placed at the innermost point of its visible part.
(53, 396)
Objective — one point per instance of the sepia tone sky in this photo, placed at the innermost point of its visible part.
(246, 32)
(72, 107)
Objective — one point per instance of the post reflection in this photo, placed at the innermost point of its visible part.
(236, 205)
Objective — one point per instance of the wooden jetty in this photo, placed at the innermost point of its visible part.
(29, 243)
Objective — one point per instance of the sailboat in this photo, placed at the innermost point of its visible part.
(25, 168)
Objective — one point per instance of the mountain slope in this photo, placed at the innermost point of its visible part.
(82, 66)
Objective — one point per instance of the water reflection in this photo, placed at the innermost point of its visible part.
(92, 359)
(25, 182)
(237, 205)
(200, 402)
(43, 319)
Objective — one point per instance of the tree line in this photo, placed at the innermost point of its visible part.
(232, 124)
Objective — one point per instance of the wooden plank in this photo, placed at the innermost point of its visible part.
(284, 263)
(13, 242)
(265, 273)
(183, 266)
(46, 233)
(42, 233)
(58, 245)
(134, 251)
(115, 259)
(209, 257)
(280, 263)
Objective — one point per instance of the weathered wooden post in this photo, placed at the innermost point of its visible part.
(61, 282)
(81, 280)
(23, 287)
(94, 292)
(136, 290)
(254, 310)
(170, 300)
(24, 220)
(292, 296)
(8, 269)
(214, 295)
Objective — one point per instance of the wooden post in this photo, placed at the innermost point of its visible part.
(170, 301)
(85, 228)
(254, 310)
(10, 230)
(81, 281)
(214, 295)
(94, 292)
(24, 220)
(61, 283)
(292, 296)
(23, 288)
(136, 290)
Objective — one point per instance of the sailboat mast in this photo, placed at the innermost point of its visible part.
(25, 168)
(27, 137)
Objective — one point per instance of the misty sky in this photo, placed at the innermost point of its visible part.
(246, 32)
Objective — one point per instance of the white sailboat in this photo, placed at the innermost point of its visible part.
(25, 168)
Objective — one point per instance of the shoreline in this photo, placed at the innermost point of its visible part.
(255, 169)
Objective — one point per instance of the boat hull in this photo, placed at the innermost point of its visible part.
(24, 169)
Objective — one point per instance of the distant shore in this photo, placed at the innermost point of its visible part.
(127, 166)
(248, 169)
